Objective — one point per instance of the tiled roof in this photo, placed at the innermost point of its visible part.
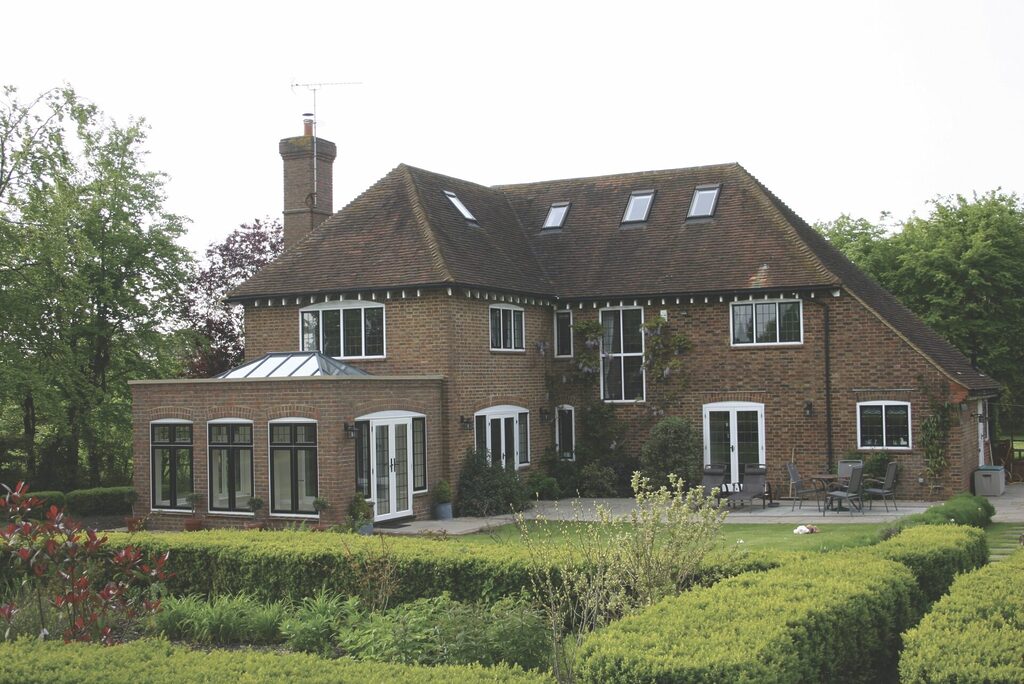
(404, 232)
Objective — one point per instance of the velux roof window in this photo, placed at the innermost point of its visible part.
(639, 206)
(705, 198)
(556, 216)
(466, 213)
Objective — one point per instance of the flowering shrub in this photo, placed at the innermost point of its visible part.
(68, 575)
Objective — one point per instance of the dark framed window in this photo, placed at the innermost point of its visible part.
(556, 216)
(293, 467)
(622, 354)
(883, 425)
(563, 333)
(171, 464)
(230, 466)
(705, 199)
(565, 433)
(767, 322)
(363, 458)
(350, 332)
(638, 208)
(507, 329)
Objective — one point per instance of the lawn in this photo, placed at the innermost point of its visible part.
(758, 536)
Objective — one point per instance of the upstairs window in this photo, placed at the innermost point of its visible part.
(466, 213)
(705, 198)
(622, 354)
(767, 322)
(563, 334)
(507, 329)
(556, 216)
(346, 330)
(638, 207)
(883, 425)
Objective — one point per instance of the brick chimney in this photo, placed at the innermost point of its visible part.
(305, 207)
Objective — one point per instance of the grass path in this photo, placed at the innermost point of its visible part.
(1003, 539)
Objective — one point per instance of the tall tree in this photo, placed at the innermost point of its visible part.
(220, 340)
(91, 281)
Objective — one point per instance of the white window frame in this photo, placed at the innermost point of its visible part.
(490, 332)
(558, 431)
(565, 214)
(883, 403)
(270, 477)
(635, 195)
(152, 493)
(603, 356)
(341, 306)
(209, 469)
(503, 411)
(778, 322)
(572, 351)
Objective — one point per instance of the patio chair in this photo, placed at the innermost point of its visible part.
(883, 489)
(714, 478)
(843, 470)
(852, 494)
(803, 487)
(754, 486)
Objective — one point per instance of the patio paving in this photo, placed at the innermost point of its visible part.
(1009, 508)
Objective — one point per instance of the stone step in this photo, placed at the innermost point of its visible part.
(1004, 543)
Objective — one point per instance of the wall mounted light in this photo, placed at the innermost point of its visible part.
(808, 408)
(466, 422)
(545, 415)
(350, 430)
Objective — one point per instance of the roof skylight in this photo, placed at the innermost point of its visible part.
(639, 206)
(556, 215)
(466, 213)
(704, 200)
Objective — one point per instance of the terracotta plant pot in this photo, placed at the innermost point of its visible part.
(134, 522)
(254, 526)
(320, 527)
(193, 524)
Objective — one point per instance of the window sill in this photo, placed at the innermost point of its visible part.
(763, 345)
(420, 492)
(563, 357)
(507, 351)
(296, 516)
(624, 401)
(172, 511)
(882, 448)
(234, 514)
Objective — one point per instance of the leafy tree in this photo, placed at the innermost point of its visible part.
(864, 243)
(220, 342)
(91, 280)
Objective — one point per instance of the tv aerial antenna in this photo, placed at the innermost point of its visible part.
(314, 87)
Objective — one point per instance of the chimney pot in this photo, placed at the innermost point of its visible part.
(307, 128)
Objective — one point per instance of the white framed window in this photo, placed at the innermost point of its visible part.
(507, 328)
(705, 199)
(638, 208)
(457, 203)
(344, 330)
(171, 464)
(766, 322)
(230, 463)
(294, 477)
(556, 216)
(563, 334)
(565, 432)
(622, 354)
(883, 425)
(504, 431)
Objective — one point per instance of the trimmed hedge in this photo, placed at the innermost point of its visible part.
(936, 554)
(50, 498)
(154, 660)
(974, 634)
(295, 564)
(962, 509)
(838, 618)
(100, 501)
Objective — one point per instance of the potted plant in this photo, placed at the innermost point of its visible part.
(361, 514)
(195, 522)
(255, 505)
(443, 500)
(320, 505)
(133, 522)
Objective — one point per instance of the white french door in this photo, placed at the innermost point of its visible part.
(391, 467)
(734, 436)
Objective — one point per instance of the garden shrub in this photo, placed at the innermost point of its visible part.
(597, 480)
(48, 498)
(311, 627)
(101, 501)
(229, 619)
(974, 633)
(440, 630)
(672, 446)
(935, 554)
(542, 486)
(32, 660)
(838, 618)
(962, 509)
(486, 488)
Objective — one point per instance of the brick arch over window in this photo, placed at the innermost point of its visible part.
(232, 412)
(180, 412)
(500, 400)
(294, 410)
(364, 408)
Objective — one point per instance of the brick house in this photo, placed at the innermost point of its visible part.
(430, 315)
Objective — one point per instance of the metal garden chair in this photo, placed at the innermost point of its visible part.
(883, 489)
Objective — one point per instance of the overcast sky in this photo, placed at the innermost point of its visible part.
(856, 107)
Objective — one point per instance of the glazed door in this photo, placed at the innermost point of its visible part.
(734, 436)
(391, 462)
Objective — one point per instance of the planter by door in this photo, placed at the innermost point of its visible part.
(193, 524)
(443, 511)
